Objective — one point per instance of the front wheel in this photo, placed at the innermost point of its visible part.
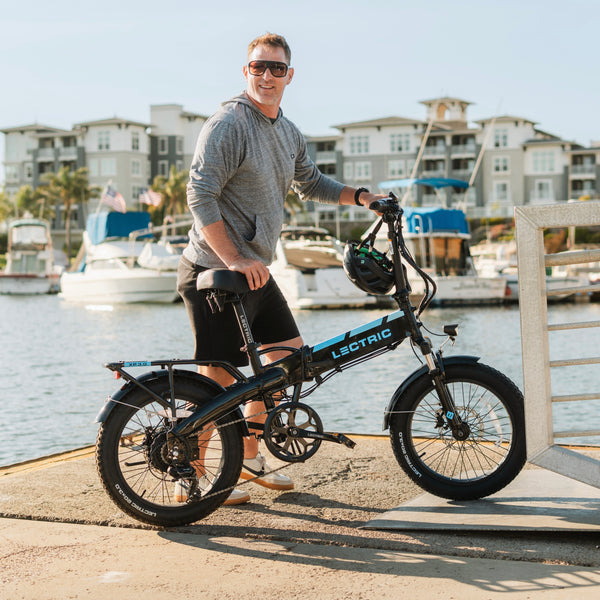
(157, 477)
(492, 452)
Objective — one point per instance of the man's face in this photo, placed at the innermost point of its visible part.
(265, 90)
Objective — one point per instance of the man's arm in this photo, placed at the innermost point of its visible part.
(365, 198)
(256, 273)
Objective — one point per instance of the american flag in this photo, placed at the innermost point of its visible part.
(113, 199)
(150, 197)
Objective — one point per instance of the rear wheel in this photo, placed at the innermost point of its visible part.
(157, 477)
(480, 459)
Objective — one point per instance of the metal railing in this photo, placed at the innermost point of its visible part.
(542, 449)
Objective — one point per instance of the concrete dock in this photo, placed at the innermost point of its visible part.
(351, 528)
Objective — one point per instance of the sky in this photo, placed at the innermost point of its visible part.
(68, 61)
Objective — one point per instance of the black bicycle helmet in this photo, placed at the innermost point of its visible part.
(368, 269)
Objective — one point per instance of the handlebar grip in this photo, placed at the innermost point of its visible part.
(389, 204)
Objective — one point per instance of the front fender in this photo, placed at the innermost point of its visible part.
(149, 378)
(424, 370)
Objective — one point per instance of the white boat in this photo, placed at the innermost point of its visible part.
(500, 258)
(30, 265)
(438, 238)
(308, 269)
(119, 262)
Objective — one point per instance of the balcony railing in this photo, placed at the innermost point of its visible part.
(69, 153)
(583, 169)
(463, 149)
(434, 173)
(434, 150)
(325, 157)
(46, 154)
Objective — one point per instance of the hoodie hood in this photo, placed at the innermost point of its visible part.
(245, 100)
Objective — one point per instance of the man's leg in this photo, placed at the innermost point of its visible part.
(256, 407)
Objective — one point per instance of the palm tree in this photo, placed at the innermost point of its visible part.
(28, 200)
(174, 194)
(6, 206)
(293, 205)
(66, 188)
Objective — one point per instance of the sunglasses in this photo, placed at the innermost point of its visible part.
(258, 67)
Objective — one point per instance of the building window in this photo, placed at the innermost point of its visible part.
(501, 164)
(348, 171)
(500, 138)
(93, 167)
(179, 145)
(359, 144)
(12, 172)
(362, 171)
(136, 167)
(399, 142)
(28, 171)
(501, 192)
(104, 140)
(108, 166)
(396, 168)
(543, 162)
(135, 193)
(163, 145)
(179, 165)
(542, 190)
(135, 140)
(163, 168)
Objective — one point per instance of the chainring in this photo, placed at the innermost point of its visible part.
(284, 428)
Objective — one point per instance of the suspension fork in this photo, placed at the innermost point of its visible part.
(460, 429)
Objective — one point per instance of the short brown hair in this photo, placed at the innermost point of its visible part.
(271, 39)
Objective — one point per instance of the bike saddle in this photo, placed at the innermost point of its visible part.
(224, 280)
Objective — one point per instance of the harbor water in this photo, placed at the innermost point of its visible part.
(54, 383)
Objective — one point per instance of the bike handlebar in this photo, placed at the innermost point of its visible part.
(387, 205)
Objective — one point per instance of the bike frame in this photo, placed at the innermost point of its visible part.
(309, 362)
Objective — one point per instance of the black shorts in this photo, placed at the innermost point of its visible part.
(218, 335)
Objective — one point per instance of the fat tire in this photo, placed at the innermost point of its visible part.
(492, 455)
(132, 492)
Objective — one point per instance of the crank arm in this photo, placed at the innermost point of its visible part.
(338, 438)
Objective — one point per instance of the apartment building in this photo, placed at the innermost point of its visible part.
(173, 136)
(507, 159)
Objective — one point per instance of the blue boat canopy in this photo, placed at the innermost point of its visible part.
(428, 219)
(434, 182)
(103, 225)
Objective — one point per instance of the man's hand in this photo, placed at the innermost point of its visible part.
(256, 273)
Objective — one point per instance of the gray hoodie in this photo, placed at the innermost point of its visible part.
(242, 170)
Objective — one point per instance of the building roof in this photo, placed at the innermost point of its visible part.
(445, 99)
(34, 127)
(111, 121)
(323, 138)
(383, 122)
(504, 118)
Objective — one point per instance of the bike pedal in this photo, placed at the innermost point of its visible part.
(343, 439)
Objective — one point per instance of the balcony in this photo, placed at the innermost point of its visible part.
(68, 153)
(591, 192)
(325, 158)
(583, 170)
(434, 151)
(46, 154)
(434, 173)
(463, 150)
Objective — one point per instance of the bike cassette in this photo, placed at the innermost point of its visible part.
(293, 432)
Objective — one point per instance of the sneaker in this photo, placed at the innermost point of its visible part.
(257, 467)
(236, 497)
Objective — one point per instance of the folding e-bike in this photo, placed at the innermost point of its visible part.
(456, 425)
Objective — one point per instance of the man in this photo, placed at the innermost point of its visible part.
(247, 157)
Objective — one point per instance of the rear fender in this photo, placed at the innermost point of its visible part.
(410, 380)
(153, 376)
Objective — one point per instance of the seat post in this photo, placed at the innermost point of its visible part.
(250, 346)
